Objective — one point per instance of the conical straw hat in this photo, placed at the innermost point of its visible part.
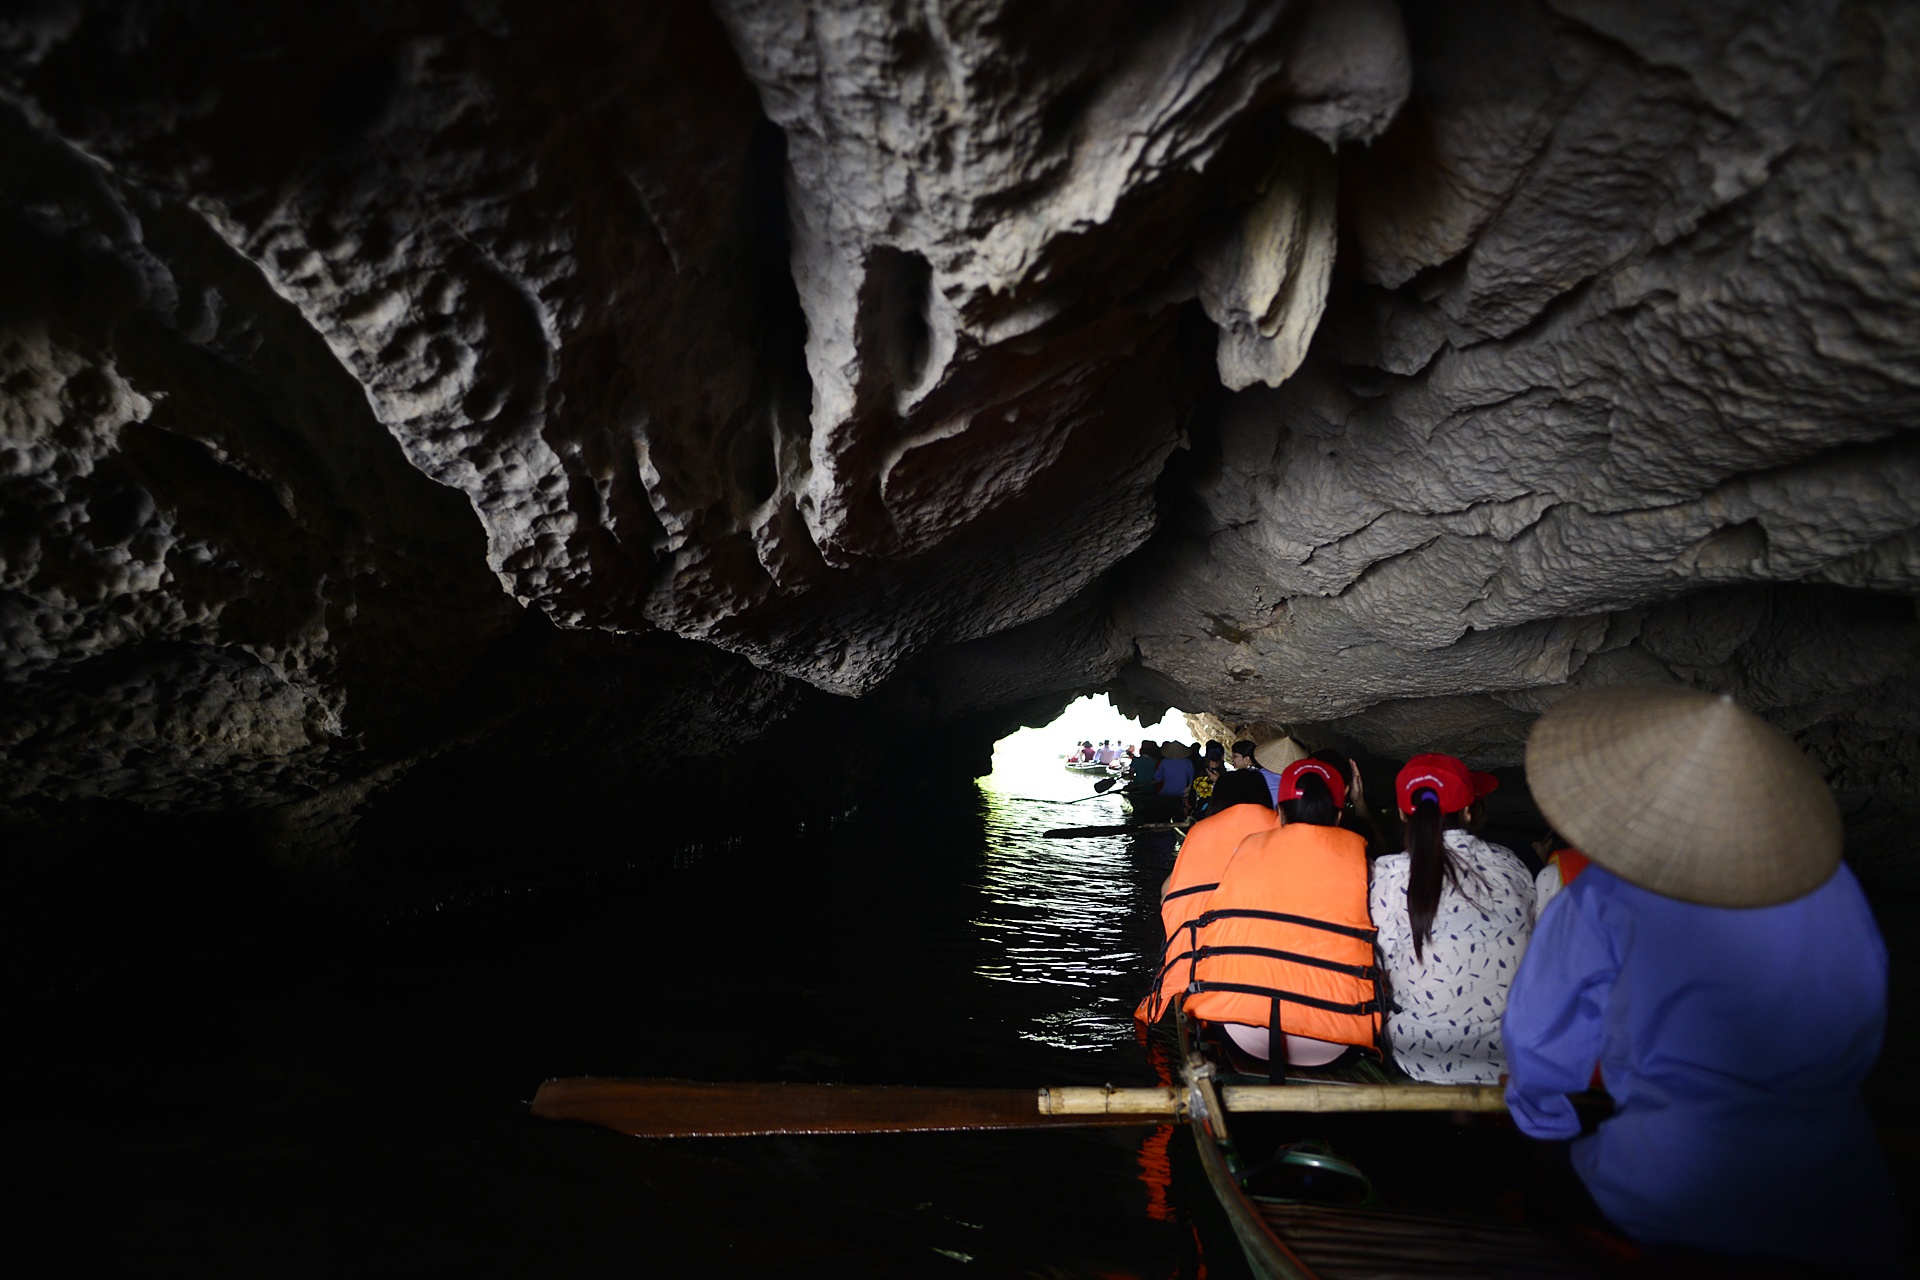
(1276, 754)
(1686, 794)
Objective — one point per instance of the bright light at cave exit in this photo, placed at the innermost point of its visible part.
(1030, 761)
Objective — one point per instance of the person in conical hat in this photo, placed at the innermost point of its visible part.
(1174, 774)
(1720, 964)
(1267, 759)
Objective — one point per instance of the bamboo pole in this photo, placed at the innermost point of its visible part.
(1313, 1098)
(1363, 1097)
(1097, 1100)
(686, 1109)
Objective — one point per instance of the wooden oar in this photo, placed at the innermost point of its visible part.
(1100, 788)
(690, 1109)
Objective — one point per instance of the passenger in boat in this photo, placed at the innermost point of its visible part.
(1308, 977)
(1245, 757)
(1105, 753)
(1354, 814)
(1200, 793)
(1721, 964)
(1563, 867)
(1140, 769)
(1239, 809)
(1174, 774)
(1454, 914)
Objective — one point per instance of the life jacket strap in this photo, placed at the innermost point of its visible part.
(1192, 888)
(1276, 1047)
(1171, 961)
(1248, 913)
(1158, 1001)
(1358, 1009)
(1366, 971)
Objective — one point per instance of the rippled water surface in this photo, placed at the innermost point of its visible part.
(253, 1088)
(1064, 914)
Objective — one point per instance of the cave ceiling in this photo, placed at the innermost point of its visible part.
(383, 381)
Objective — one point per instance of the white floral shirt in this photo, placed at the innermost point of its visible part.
(1443, 1019)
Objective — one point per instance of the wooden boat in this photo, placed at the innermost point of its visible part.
(1088, 766)
(1148, 806)
(1327, 1227)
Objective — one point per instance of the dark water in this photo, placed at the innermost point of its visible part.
(223, 1077)
(235, 1082)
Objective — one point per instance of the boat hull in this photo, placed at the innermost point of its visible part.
(1151, 807)
(1297, 1240)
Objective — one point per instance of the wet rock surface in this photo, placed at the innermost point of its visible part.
(469, 398)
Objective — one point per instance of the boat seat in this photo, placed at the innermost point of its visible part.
(1236, 1066)
(1366, 1244)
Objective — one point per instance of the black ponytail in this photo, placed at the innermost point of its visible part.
(1430, 866)
(1314, 805)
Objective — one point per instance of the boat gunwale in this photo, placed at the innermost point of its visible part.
(1267, 1254)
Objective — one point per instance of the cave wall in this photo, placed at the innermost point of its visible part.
(1617, 384)
(403, 406)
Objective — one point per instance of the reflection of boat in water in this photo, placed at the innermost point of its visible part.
(1300, 1212)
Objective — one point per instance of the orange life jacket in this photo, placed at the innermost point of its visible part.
(1203, 857)
(1286, 941)
(1571, 863)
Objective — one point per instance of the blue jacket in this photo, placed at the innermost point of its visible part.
(1733, 1043)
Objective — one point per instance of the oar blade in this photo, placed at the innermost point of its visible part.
(693, 1109)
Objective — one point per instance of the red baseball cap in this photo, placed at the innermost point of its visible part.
(1453, 784)
(1290, 780)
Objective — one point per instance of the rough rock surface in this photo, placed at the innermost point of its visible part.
(393, 392)
(1619, 328)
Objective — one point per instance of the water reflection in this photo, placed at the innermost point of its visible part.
(1058, 912)
(942, 944)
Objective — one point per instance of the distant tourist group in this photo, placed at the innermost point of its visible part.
(1106, 753)
(1694, 946)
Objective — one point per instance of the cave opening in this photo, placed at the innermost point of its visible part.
(1033, 758)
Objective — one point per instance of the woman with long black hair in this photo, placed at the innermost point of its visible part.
(1454, 913)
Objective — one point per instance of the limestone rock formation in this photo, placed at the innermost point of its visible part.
(1645, 364)
(375, 386)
